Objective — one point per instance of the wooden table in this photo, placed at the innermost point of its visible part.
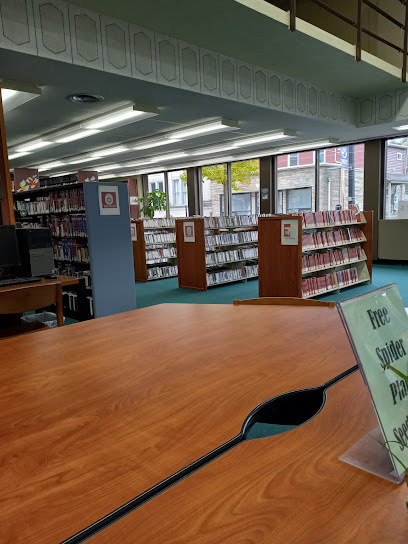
(65, 281)
(93, 414)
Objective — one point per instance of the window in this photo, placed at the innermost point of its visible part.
(290, 180)
(156, 181)
(293, 159)
(178, 200)
(245, 187)
(341, 179)
(396, 179)
(214, 178)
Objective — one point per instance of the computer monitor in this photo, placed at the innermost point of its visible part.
(9, 255)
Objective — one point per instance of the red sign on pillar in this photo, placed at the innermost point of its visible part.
(26, 179)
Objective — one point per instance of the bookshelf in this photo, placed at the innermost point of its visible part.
(87, 244)
(62, 209)
(334, 251)
(154, 249)
(222, 250)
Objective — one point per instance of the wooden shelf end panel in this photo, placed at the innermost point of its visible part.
(191, 256)
(139, 252)
(280, 266)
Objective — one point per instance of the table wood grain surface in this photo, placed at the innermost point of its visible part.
(284, 489)
(93, 414)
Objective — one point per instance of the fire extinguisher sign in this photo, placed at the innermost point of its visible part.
(289, 232)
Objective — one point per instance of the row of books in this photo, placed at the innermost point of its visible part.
(71, 269)
(41, 205)
(316, 240)
(233, 255)
(251, 271)
(162, 253)
(328, 219)
(230, 221)
(161, 272)
(159, 237)
(160, 222)
(320, 284)
(69, 225)
(70, 200)
(333, 257)
(231, 238)
(70, 250)
(70, 301)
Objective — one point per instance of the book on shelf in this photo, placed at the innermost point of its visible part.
(160, 237)
(328, 218)
(231, 238)
(234, 274)
(70, 250)
(234, 221)
(320, 239)
(161, 272)
(160, 223)
(233, 255)
(332, 258)
(320, 284)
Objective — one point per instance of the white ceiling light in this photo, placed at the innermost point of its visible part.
(50, 165)
(109, 151)
(306, 145)
(154, 142)
(33, 145)
(122, 116)
(73, 135)
(60, 174)
(205, 128)
(13, 97)
(254, 140)
(17, 155)
(7, 93)
(402, 127)
(169, 157)
(208, 150)
(106, 167)
(77, 160)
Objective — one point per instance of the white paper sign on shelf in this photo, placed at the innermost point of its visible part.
(403, 209)
(133, 232)
(108, 200)
(189, 231)
(134, 200)
(289, 232)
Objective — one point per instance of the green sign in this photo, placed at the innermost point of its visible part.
(377, 326)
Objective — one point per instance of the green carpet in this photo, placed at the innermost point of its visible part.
(161, 291)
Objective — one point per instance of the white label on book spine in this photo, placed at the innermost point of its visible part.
(289, 232)
(189, 231)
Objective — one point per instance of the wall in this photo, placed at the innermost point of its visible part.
(394, 165)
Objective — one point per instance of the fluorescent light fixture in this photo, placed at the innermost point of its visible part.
(77, 160)
(32, 146)
(106, 167)
(154, 142)
(122, 116)
(60, 174)
(402, 127)
(109, 151)
(17, 155)
(7, 93)
(205, 128)
(73, 135)
(306, 145)
(208, 150)
(170, 157)
(16, 93)
(50, 165)
(261, 138)
(108, 176)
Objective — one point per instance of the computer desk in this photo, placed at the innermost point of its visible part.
(65, 281)
(94, 414)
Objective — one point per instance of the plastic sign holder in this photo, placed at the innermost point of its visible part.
(377, 326)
